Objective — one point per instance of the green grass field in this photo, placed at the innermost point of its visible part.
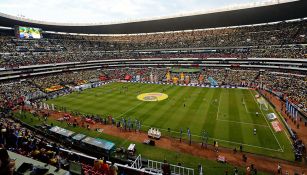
(219, 111)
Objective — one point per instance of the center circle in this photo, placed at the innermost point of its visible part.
(152, 96)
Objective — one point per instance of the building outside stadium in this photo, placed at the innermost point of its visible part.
(216, 93)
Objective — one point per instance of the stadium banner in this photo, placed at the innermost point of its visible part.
(128, 77)
(137, 78)
(80, 82)
(103, 78)
(54, 88)
(82, 87)
(175, 80)
(276, 126)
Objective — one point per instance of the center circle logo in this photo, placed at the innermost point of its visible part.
(152, 96)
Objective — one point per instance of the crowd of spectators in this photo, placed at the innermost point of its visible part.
(14, 92)
(231, 77)
(293, 86)
(23, 141)
(281, 40)
(66, 78)
(257, 35)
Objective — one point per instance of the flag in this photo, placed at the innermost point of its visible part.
(292, 111)
(168, 76)
(181, 76)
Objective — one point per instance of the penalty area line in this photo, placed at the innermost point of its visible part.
(246, 123)
(266, 120)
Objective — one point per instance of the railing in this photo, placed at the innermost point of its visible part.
(175, 169)
(137, 163)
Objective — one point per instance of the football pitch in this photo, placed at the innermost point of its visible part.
(227, 115)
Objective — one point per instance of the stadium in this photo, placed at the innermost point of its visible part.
(222, 92)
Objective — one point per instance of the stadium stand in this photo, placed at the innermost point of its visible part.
(270, 57)
(281, 40)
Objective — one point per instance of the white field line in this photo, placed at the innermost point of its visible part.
(247, 111)
(218, 108)
(246, 123)
(233, 121)
(129, 110)
(221, 140)
(267, 122)
(279, 115)
(212, 138)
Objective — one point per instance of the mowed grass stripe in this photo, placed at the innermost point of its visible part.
(135, 111)
(134, 104)
(105, 103)
(271, 140)
(77, 101)
(235, 129)
(210, 120)
(158, 113)
(209, 108)
(252, 108)
(260, 131)
(141, 114)
(171, 114)
(193, 113)
(198, 109)
(147, 112)
(129, 100)
(246, 133)
(177, 117)
(222, 114)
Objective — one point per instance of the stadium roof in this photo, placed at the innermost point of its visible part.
(244, 16)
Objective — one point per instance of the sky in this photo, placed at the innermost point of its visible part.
(109, 11)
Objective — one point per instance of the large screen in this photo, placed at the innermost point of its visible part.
(28, 32)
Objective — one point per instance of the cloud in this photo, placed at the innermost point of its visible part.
(91, 11)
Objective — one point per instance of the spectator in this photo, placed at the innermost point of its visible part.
(105, 167)
(279, 169)
(7, 165)
(166, 168)
(113, 169)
